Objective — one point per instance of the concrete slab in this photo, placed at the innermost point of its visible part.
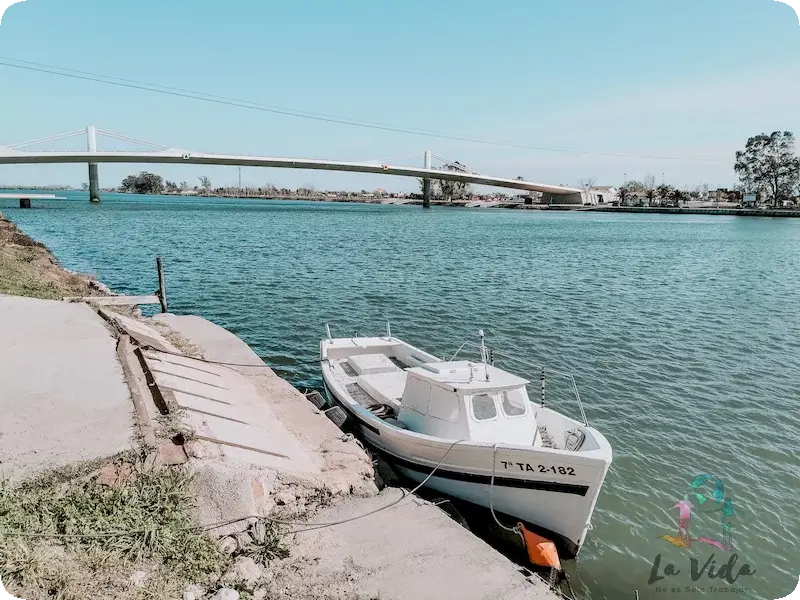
(413, 550)
(345, 466)
(144, 334)
(118, 300)
(224, 407)
(63, 396)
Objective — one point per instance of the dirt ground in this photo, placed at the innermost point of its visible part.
(28, 268)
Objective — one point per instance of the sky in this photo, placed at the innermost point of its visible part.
(676, 86)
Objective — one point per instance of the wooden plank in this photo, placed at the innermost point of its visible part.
(118, 300)
(126, 359)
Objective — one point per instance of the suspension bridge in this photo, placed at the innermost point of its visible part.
(20, 153)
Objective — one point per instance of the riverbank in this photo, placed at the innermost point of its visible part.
(29, 269)
(228, 468)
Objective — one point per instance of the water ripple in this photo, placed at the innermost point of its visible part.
(682, 332)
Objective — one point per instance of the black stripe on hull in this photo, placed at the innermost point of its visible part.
(544, 486)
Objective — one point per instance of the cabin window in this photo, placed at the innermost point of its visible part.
(444, 405)
(515, 403)
(417, 395)
(483, 407)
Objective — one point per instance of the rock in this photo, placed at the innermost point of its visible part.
(228, 545)
(365, 489)
(202, 450)
(245, 570)
(285, 498)
(193, 592)
(260, 594)
(139, 578)
(226, 594)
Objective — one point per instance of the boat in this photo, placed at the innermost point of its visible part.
(469, 430)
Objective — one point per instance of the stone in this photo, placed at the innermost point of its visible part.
(260, 594)
(226, 594)
(114, 476)
(245, 570)
(285, 498)
(139, 578)
(202, 450)
(228, 545)
(193, 592)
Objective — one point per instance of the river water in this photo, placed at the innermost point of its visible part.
(682, 332)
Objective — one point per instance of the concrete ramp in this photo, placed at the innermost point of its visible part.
(144, 334)
(223, 407)
(63, 396)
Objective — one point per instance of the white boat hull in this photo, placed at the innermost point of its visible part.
(553, 491)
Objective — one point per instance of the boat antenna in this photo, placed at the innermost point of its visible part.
(542, 377)
(484, 357)
(328, 331)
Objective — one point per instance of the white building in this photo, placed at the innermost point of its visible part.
(602, 194)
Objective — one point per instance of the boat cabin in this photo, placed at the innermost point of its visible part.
(465, 400)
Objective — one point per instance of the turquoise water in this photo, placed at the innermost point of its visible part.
(682, 332)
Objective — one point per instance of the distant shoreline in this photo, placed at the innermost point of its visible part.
(738, 212)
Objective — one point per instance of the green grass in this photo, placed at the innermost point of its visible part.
(150, 510)
(28, 268)
(94, 533)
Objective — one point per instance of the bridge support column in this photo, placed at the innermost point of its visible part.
(426, 183)
(94, 178)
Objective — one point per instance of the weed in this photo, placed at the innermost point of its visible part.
(144, 517)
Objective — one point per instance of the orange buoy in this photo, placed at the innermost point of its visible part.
(541, 551)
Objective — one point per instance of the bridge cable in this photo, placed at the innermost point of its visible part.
(178, 92)
(130, 139)
(52, 138)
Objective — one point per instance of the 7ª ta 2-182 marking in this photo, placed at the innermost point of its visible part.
(557, 470)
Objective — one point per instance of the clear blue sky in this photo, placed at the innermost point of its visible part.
(680, 78)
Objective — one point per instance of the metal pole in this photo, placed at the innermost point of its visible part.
(162, 289)
(542, 386)
(94, 178)
(426, 183)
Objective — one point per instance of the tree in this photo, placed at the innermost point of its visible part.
(184, 185)
(586, 184)
(143, 183)
(85, 186)
(205, 183)
(650, 187)
(768, 165)
(172, 186)
(451, 190)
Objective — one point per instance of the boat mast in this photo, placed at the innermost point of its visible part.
(484, 357)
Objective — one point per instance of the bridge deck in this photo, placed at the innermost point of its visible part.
(178, 156)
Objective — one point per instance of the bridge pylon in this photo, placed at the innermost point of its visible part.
(94, 178)
(426, 183)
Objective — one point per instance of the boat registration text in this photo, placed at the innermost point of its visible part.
(558, 470)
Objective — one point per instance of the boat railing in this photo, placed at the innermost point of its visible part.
(543, 372)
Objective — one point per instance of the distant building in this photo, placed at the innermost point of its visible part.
(601, 194)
